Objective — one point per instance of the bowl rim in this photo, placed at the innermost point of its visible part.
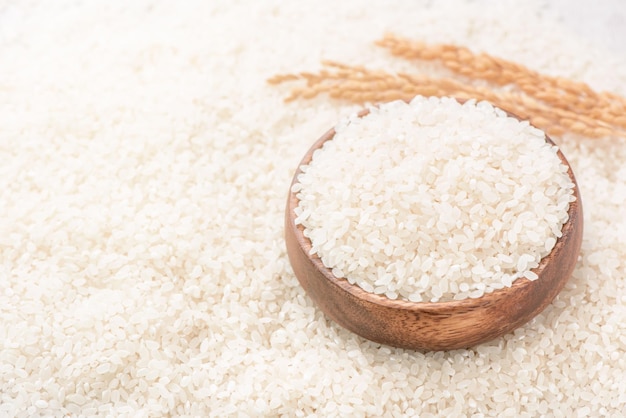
(441, 307)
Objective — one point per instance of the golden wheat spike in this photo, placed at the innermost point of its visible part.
(554, 104)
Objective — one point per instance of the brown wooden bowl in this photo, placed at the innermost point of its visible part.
(432, 325)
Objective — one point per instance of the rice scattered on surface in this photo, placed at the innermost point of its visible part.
(144, 167)
(433, 200)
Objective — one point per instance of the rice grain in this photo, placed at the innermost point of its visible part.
(139, 140)
(443, 149)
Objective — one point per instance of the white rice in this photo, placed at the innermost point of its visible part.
(144, 167)
(433, 200)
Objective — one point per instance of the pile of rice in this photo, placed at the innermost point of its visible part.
(144, 167)
(433, 200)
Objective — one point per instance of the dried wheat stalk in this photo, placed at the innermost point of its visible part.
(358, 84)
(557, 92)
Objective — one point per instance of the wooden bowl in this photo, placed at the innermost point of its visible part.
(432, 325)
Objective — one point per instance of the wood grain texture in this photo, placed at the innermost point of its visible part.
(426, 325)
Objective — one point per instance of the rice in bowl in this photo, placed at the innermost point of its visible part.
(433, 200)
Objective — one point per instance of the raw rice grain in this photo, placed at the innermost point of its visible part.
(442, 167)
